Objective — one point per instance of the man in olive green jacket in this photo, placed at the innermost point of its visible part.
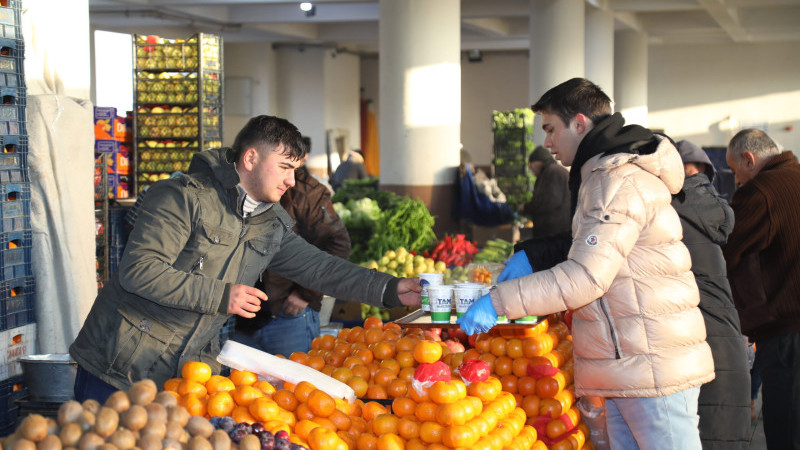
(200, 242)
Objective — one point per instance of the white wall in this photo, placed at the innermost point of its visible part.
(301, 92)
(341, 101)
(700, 92)
(256, 62)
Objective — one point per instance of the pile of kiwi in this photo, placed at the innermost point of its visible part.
(141, 418)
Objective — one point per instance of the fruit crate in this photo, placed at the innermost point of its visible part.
(15, 254)
(117, 227)
(12, 70)
(15, 343)
(513, 135)
(11, 390)
(178, 92)
(114, 258)
(14, 168)
(13, 144)
(11, 19)
(15, 205)
(17, 297)
(12, 119)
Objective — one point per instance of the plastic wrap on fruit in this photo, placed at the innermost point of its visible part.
(473, 370)
(541, 370)
(428, 373)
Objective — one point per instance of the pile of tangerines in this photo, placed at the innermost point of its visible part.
(526, 403)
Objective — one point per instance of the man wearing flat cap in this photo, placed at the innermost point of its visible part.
(549, 207)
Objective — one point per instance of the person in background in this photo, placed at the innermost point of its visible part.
(291, 319)
(638, 335)
(549, 207)
(351, 168)
(707, 220)
(199, 244)
(764, 273)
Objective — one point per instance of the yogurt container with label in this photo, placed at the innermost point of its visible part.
(441, 302)
(465, 296)
(426, 280)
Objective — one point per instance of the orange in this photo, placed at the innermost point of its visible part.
(392, 326)
(373, 322)
(479, 425)
(418, 396)
(298, 357)
(442, 392)
(406, 344)
(341, 348)
(264, 386)
(509, 383)
(498, 346)
(320, 403)
(303, 389)
(384, 423)
(514, 348)
(426, 411)
(520, 366)
(196, 371)
(359, 385)
(348, 438)
(303, 412)
(397, 388)
(430, 432)
(321, 438)
(451, 414)
(472, 353)
(383, 350)
(366, 441)
(408, 427)
(351, 361)
(373, 335)
(304, 427)
(326, 342)
(286, 417)
(285, 400)
(365, 355)
(220, 404)
(194, 404)
(240, 377)
(567, 398)
(316, 362)
(483, 342)
(342, 374)
(403, 406)
(325, 422)
(526, 385)
(362, 371)
(356, 335)
(264, 409)
(371, 410)
(427, 352)
(390, 441)
(328, 369)
(383, 376)
(530, 403)
(217, 383)
(415, 444)
(358, 425)
(341, 420)
(548, 387)
(334, 359)
(377, 392)
(550, 407)
(392, 365)
(241, 414)
(406, 374)
(191, 387)
(172, 384)
(273, 426)
(502, 365)
(245, 394)
(459, 436)
(342, 335)
(555, 428)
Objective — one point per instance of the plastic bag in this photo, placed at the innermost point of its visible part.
(593, 412)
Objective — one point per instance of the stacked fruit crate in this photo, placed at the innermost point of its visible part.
(513, 143)
(178, 103)
(17, 319)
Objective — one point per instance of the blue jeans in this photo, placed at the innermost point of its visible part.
(668, 422)
(89, 386)
(284, 334)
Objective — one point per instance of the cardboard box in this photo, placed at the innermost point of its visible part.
(118, 186)
(117, 156)
(346, 311)
(15, 343)
(109, 126)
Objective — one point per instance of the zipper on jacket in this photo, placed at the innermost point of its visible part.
(199, 264)
(610, 329)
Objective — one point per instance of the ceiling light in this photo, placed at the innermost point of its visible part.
(308, 8)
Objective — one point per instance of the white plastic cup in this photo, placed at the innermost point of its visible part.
(441, 301)
(527, 319)
(425, 280)
(465, 296)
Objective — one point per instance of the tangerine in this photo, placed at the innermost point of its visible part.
(303, 428)
(371, 410)
(217, 383)
(427, 352)
(426, 411)
(383, 350)
(390, 441)
(298, 357)
(265, 387)
(403, 406)
(244, 394)
(359, 385)
(220, 404)
(341, 420)
(239, 377)
(397, 388)
(302, 390)
(459, 436)
(191, 387)
(430, 432)
(378, 392)
(384, 423)
(263, 409)
(320, 403)
(367, 441)
(241, 414)
(442, 392)
(408, 427)
(197, 371)
(373, 322)
(194, 404)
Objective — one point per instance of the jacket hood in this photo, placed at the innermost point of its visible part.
(692, 153)
(699, 205)
(218, 163)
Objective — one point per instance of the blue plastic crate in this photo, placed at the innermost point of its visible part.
(10, 20)
(12, 69)
(15, 248)
(117, 227)
(12, 119)
(17, 298)
(11, 390)
(14, 144)
(14, 168)
(114, 258)
(15, 214)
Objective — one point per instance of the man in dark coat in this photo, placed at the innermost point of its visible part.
(724, 404)
(291, 319)
(549, 207)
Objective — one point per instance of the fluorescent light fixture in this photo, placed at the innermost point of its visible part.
(306, 6)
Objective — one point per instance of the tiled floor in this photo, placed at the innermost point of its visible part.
(757, 440)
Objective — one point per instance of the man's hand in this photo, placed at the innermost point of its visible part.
(294, 304)
(408, 289)
(245, 301)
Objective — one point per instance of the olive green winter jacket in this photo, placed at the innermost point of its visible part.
(168, 301)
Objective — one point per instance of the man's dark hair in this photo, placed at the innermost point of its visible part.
(574, 96)
(266, 133)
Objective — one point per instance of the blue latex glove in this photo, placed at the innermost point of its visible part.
(480, 317)
(517, 267)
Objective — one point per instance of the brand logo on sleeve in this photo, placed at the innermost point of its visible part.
(591, 240)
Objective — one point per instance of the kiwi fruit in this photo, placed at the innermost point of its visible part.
(166, 399)
(23, 444)
(156, 411)
(150, 442)
(178, 414)
(50, 442)
(250, 442)
(174, 431)
(220, 440)
(90, 441)
(106, 422)
(34, 427)
(70, 434)
(123, 439)
(157, 428)
(199, 426)
(143, 392)
(134, 418)
(118, 401)
(91, 405)
(87, 420)
(199, 443)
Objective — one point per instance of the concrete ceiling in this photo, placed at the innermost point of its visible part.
(485, 24)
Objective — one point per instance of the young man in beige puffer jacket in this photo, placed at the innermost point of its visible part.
(639, 337)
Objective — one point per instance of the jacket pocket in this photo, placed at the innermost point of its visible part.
(611, 329)
(257, 254)
(140, 342)
(203, 249)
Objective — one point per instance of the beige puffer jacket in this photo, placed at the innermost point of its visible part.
(637, 330)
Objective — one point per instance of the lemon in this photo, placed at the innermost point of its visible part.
(392, 264)
(401, 258)
(384, 261)
(391, 254)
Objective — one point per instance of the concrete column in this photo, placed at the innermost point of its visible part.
(420, 108)
(630, 76)
(557, 44)
(600, 48)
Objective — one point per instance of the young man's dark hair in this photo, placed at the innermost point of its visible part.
(273, 131)
(574, 96)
